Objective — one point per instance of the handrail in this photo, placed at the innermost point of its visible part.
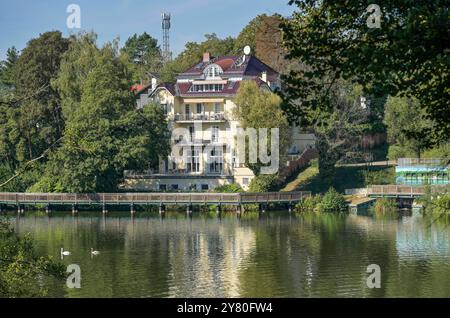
(150, 197)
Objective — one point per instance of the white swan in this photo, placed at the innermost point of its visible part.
(95, 253)
(64, 253)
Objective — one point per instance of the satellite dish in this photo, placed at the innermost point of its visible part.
(247, 50)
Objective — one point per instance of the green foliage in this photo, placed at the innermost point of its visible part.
(36, 122)
(384, 176)
(258, 108)
(144, 54)
(104, 133)
(264, 183)
(409, 129)
(309, 204)
(332, 40)
(22, 272)
(339, 130)
(435, 202)
(385, 205)
(333, 201)
(7, 67)
(229, 188)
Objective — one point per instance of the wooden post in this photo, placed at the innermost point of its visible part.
(189, 208)
(262, 207)
(132, 209)
(218, 208)
(47, 209)
(290, 207)
(162, 208)
(238, 209)
(104, 209)
(74, 209)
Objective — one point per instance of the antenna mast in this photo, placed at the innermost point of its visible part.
(167, 55)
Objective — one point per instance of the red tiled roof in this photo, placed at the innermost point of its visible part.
(232, 65)
(137, 87)
(183, 89)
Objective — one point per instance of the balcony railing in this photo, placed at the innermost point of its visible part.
(136, 174)
(201, 116)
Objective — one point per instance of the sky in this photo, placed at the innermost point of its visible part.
(22, 20)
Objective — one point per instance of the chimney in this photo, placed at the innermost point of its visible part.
(264, 76)
(154, 83)
(206, 57)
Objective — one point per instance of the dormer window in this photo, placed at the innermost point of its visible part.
(212, 71)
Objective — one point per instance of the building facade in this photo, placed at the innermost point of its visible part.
(415, 171)
(199, 108)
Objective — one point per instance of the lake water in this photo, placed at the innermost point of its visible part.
(270, 255)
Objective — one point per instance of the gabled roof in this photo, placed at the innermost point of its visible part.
(233, 66)
(169, 86)
(230, 88)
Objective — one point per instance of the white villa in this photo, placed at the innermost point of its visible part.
(201, 104)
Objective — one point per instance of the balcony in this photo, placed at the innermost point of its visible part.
(209, 117)
(181, 172)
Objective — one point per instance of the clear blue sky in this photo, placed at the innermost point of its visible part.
(22, 20)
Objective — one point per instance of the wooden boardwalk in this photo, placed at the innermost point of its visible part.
(131, 199)
(396, 191)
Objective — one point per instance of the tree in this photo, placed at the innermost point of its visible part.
(21, 270)
(145, 54)
(105, 134)
(38, 113)
(76, 63)
(409, 129)
(339, 130)
(7, 67)
(260, 108)
(406, 56)
(264, 36)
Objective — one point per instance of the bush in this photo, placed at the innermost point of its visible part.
(229, 188)
(264, 183)
(384, 176)
(309, 204)
(383, 205)
(22, 272)
(333, 201)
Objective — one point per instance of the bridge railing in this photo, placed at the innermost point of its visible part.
(125, 198)
(403, 190)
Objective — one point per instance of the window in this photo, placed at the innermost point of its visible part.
(245, 181)
(217, 108)
(174, 187)
(216, 161)
(191, 133)
(199, 108)
(165, 108)
(212, 71)
(193, 160)
(187, 111)
(162, 187)
(205, 187)
(215, 134)
(206, 88)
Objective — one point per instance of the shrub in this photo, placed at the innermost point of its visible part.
(383, 205)
(264, 183)
(229, 188)
(333, 201)
(309, 204)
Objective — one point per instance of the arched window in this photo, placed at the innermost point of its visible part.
(213, 71)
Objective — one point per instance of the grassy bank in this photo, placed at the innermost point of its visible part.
(310, 179)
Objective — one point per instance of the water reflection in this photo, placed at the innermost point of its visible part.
(273, 254)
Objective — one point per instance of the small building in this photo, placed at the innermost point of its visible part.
(422, 171)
